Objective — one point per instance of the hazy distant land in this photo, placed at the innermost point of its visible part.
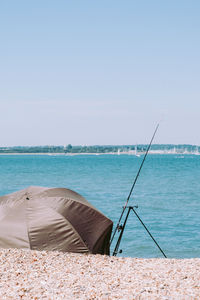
(105, 149)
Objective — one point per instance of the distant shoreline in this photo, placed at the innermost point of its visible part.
(69, 150)
(153, 152)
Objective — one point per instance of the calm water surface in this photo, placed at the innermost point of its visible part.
(167, 194)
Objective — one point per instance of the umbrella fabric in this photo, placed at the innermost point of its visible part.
(59, 219)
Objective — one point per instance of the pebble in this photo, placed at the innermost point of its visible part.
(30, 274)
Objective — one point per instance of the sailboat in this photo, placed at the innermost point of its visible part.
(136, 152)
(197, 151)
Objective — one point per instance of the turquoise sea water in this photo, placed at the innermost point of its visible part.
(167, 194)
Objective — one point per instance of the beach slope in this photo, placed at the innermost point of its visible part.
(28, 274)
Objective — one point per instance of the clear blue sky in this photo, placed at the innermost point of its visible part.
(99, 72)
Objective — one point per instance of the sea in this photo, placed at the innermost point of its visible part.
(166, 195)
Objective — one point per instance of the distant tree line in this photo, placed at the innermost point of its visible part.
(96, 148)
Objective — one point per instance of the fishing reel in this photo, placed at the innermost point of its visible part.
(120, 227)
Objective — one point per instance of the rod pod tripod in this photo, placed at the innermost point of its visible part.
(122, 227)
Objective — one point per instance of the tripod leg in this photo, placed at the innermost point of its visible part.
(121, 233)
(149, 232)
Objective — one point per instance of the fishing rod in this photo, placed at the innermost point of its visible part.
(122, 227)
(118, 227)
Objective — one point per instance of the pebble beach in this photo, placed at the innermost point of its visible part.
(28, 274)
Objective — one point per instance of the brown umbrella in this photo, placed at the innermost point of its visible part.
(52, 219)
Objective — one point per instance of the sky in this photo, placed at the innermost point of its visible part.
(99, 72)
